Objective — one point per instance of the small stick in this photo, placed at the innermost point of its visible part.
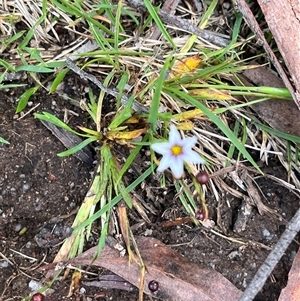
(183, 25)
(267, 267)
(136, 106)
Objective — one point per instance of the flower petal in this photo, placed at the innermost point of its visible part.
(189, 142)
(192, 157)
(177, 168)
(161, 147)
(164, 163)
(174, 135)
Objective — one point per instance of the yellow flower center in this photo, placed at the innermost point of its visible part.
(176, 150)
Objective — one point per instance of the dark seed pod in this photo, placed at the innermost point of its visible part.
(200, 215)
(153, 286)
(37, 297)
(202, 177)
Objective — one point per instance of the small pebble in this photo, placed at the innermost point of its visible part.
(233, 254)
(18, 227)
(25, 187)
(34, 285)
(267, 234)
(4, 264)
(226, 5)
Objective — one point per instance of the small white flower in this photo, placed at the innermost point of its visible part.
(175, 152)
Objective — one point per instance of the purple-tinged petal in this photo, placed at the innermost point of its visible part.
(174, 135)
(192, 157)
(164, 163)
(189, 142)
(177, 168)
(161, 147)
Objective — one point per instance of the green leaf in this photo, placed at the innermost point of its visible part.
(70, 8)
(208, 13)
(30, 34)
(7, 65)
(2, 140)
(53, 119)
(159, 23)
(277, 133)
(58, 79)
(15, 37)
(23, 100)
(77, 147)
(152, 117)
(10, 86)
(34, 68)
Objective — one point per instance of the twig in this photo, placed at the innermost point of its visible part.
(32, 109)
(136, 106)
(267, 267)
(183, 25)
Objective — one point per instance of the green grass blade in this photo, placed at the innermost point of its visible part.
(34, 68)
(190, 42)
(30, 34)
(23, 100)
(70, 8)
(232, 146)
(159, 23)
(209, 12)
(277, 133)
(15, 37)
(53, 119)
(77, 147)
(236, 28)
(7, 65)
(235, 34)
(58, 79)
(152, 118)
(118, 27)
(10, 86)
(2, 140)
(132, 156)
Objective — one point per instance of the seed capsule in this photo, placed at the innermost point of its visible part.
(37, 297)
(202, 177)
(153, 286)
(200, 215)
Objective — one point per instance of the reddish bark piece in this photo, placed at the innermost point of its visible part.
(178, 278)
(292, 291)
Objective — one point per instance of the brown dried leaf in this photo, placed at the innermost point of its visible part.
(178, 278)
(292, 291)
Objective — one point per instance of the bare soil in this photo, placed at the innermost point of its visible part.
(37, 186)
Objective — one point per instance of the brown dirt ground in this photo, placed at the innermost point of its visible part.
(36, 186)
